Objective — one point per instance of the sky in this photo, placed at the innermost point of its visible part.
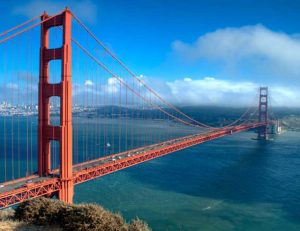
(194, 52)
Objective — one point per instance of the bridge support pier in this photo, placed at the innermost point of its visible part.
(63, 132)
(263, 113)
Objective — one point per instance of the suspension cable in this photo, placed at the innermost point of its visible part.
(242, 116)
(28, 28)
(133, 75)
(20, 25)
(143, 83)
(126, 85)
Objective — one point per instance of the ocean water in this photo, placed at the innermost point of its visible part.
(233, 183)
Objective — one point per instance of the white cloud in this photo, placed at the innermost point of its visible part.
(208, 91)
(187, 79)
(84, 9)
(96, 89)
(275, 52)
(217, 92)
(12, 86)
(88, 83)
(112, 86)
(112, 81)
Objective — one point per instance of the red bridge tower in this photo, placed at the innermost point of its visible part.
(63, 132)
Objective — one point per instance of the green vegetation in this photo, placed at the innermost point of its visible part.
(56, 215)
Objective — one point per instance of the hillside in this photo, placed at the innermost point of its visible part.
(46, 214)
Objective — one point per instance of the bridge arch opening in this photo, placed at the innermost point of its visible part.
(55, 37)
(55, 111)
(54, 72)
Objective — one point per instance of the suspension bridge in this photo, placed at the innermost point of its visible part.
(71, 112)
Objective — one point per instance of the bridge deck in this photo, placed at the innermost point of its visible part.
(14, 192)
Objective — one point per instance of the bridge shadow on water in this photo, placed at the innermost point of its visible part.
(233, 169)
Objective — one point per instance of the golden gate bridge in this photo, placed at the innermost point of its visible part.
(73, 112)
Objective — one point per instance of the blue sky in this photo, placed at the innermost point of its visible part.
(197, 46)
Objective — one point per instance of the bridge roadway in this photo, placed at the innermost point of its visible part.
(14, 192)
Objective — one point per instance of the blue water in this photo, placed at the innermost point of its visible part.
(233, 183)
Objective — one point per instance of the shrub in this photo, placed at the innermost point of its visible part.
(80, 217)
(91, 217)
(6, 214)
(40, 211)
(138, 225)
(85, 217)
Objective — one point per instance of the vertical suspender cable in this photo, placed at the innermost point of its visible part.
(19, 106)
(5, 112)
(12, 110)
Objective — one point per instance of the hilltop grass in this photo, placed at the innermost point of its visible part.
(46, 214)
